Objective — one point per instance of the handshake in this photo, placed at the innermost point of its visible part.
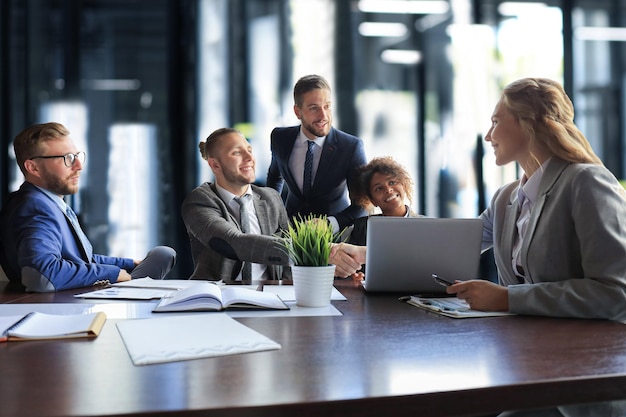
(348, 259)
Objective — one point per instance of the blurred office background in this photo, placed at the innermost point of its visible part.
(140, 82)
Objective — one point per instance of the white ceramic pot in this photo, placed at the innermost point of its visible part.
(313, 285)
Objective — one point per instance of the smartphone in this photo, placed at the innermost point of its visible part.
(442, 281)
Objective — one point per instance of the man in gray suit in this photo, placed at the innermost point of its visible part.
(217, 215)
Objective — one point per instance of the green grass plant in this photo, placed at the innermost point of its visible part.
(308, 240)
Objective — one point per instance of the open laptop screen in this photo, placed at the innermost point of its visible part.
(403, 253)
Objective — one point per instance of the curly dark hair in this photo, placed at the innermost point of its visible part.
(362, 178)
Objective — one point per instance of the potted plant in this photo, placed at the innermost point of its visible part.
(308, 242)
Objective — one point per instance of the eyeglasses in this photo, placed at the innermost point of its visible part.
(68, 159)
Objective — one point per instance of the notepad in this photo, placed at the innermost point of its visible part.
(452, 307)
(169, 339)
(35, 325)
(210, 297)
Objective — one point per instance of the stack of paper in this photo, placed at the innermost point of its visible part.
(169, 339)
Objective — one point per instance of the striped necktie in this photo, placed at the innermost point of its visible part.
(308, 168)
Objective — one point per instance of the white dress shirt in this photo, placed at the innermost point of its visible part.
(526, 198)
(298, 156)
(296, 164)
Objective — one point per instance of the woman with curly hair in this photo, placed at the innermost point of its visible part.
(381, 184)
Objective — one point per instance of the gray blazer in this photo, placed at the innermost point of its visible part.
(574, 251)
(218, 245)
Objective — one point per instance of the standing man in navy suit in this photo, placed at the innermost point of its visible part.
(41, 243)
(334, 155)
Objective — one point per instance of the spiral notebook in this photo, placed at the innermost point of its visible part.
(40, 326)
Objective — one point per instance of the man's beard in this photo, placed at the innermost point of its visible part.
(318, 132)
(61, 187)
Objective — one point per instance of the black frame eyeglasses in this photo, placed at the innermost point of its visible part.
(68, 159)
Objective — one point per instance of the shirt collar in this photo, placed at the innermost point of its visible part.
(529, 187)
(227, 196)
(54, 197)
(302, 139)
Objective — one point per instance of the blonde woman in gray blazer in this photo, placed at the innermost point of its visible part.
(559, 233)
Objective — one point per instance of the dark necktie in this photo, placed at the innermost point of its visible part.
(87, 248)
(244, 220)
(308, 167)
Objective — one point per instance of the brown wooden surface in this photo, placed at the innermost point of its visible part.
(381, 357)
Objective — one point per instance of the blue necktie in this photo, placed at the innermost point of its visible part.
(308, 168)
(244, 220)
(87, 248)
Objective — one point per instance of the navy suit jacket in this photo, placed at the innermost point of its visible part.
(40, 249)
(341, 155)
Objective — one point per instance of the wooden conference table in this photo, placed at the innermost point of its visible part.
(381, 357)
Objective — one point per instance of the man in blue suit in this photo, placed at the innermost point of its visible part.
(41, 243)
(330, 154)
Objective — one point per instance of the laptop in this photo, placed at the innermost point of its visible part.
(403, 253)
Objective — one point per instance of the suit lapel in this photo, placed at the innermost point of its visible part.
(223, 206)
(288, 143)
(262, 213)
(509, 231)
(550, 176)
(327, 160)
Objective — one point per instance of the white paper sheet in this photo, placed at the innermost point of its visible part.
(185, 337)
(287, 293)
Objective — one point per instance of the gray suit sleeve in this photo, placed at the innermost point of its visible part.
(577, 257)
(208, 221)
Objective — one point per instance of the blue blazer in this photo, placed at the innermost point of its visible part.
(40, 249)
(341, 155)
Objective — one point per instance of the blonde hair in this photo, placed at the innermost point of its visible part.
(546, 113)
(208, 147)
(27, 143)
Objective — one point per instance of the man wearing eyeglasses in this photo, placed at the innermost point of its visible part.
(41, 243)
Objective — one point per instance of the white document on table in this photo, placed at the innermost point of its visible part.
(127, 293)
(185, 337)
(142, 289)
(452, 307)
(287, 293)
